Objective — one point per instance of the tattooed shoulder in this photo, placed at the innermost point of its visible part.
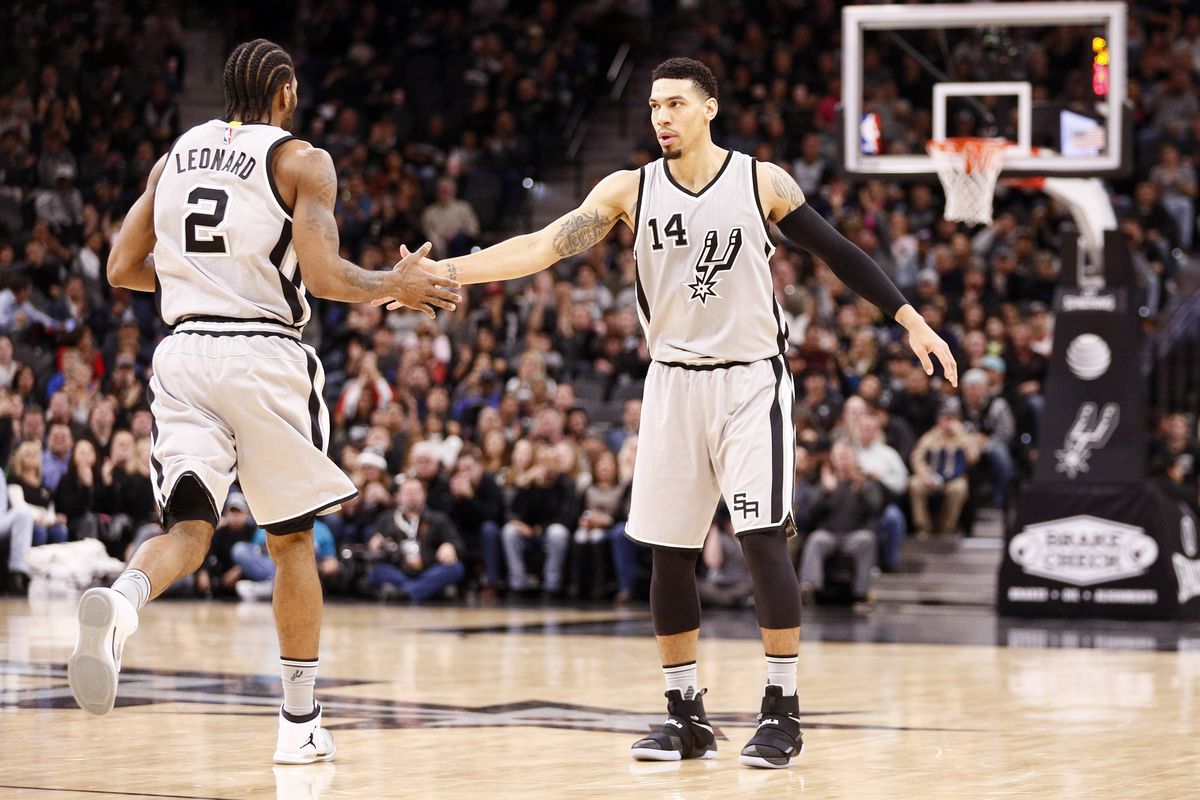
(785, 186)
(579, 232)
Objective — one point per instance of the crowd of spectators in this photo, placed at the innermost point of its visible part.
(493, 447)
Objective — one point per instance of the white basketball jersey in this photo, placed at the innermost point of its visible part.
(704, 288)
(224, 234)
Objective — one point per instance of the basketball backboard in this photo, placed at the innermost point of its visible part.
(1048, 76)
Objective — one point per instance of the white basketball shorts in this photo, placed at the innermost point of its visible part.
(707, 433)
(248, 405)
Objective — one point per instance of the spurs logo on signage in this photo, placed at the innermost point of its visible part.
(1083, 550)
(1088, 356)
(1090, 430)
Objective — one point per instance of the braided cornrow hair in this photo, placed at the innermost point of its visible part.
(254, 72)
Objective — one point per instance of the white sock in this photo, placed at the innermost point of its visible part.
(135, 586)
(299, 677)
(781, 671)
(683, 678)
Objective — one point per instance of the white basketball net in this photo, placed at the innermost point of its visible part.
(968, 169)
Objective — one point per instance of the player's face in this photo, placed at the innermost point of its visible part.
(679, 113)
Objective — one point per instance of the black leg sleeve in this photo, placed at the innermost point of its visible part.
(776, 588)
(674, 598)
(856, 269)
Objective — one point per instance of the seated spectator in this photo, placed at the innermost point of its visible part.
(882, 463)
(56, 459)
(940, 462)
(258, 568)
(844, 520)
(477, 510)
(220, 573)
(626, 553)
(16, 526)
(631, 420)
(988, 418)
(450, 223)
(542, 510)
(418, 549)
(84, 493)
(601, 504)
(27, 490)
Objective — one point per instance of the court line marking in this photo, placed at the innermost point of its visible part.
(114, 792)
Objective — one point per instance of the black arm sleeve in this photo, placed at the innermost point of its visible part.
(856, 269)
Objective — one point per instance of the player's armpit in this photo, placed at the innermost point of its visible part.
(129, 265)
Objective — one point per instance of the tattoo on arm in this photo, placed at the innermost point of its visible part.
(785, 187)
(320, 213)
(452, 271)
(580, 232)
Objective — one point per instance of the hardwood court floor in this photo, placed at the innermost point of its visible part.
(531, 702)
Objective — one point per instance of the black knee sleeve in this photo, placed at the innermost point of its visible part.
(189, 501)
(776, 588)
(674, 598)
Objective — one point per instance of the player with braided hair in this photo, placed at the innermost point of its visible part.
(229, 214)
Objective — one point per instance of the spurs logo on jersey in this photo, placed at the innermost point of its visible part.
(224, 236)
(709, 265)
(704, 288)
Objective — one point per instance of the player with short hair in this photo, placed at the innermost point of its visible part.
(230, 214)
(717, 417)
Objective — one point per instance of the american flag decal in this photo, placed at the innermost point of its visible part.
(1095, 138)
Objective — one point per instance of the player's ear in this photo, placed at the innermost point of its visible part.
(710, 108)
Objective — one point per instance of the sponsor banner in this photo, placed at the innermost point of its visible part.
(1093, 428)
(1101, 551)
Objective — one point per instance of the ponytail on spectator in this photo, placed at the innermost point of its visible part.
(254, 72)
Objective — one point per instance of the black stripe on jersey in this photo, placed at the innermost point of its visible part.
(782, 337)
(270, 167)
(777, 443)
(706, 367)
(643, 301)
(290, 291)
(707, 186)
(314, 403)
(758, 203)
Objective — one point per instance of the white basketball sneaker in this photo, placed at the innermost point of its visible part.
(302, 742)
(106, 619)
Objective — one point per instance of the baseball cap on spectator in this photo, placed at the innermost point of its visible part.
(951, 408)
(992, 362)
(370, 458)
(927, 275)
(64, 172)
(236, 502)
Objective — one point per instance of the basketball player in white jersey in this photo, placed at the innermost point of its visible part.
(717, 412)
(232, 215)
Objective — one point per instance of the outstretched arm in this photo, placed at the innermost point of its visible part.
(784, 204)
(129, 264)
(612, 199)
(325, 272)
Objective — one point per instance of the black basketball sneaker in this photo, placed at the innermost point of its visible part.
(685, 734)
(778, 739)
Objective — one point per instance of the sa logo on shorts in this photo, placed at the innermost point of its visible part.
(747, 507)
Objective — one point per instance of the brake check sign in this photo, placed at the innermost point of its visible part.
(1083, 550)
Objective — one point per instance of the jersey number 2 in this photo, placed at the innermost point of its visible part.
(208, 206)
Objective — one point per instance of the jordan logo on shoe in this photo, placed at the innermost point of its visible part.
(310, 741)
